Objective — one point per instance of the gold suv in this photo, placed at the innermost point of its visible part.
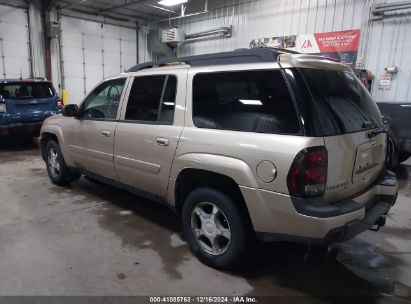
(264, 143)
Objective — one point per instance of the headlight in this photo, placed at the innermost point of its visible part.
(2, 108)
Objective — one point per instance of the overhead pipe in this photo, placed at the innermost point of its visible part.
(380, 9)
(225, 31)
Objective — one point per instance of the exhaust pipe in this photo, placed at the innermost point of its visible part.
(379, 223)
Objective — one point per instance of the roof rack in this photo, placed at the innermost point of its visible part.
(259, 55)
(28, 79)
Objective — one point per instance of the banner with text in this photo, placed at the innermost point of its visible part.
(341, 45)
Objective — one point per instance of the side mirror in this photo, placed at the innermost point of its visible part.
(71, 110)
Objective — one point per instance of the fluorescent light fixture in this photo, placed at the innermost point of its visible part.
(251, 102)
(171, 2)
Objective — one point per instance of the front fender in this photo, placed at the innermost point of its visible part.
(58, 132)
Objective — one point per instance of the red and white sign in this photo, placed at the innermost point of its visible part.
(342, 45)
(342, 41)
(385, 81)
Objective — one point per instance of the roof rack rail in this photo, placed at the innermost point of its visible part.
(34, 78)
(239, 56)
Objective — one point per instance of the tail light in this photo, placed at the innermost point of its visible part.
(308, 173)
(59, 103)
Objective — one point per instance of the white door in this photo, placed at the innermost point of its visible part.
(93, 51)
(14, 43)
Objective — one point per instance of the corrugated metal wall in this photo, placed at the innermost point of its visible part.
(264, 18)
(383, 43)
(388, 44)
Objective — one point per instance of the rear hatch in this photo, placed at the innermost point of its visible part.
(344, 113)
(28, 100)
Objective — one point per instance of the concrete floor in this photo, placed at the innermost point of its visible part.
(92, 239)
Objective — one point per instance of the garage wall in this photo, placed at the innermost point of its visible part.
(382, 42)
(388, 43)
(264, 18)
(14, 43)
(92, 52)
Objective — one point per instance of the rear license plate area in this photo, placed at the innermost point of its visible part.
(368, 159)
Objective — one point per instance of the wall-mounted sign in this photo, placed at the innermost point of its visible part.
(385, 81)
(342, 45)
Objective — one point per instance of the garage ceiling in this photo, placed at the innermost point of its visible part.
(142, 11)
(125, 12)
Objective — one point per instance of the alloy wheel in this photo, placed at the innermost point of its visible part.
(211, 228)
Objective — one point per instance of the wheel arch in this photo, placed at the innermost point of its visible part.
(193, 178)
(53, 132)
(45, 138)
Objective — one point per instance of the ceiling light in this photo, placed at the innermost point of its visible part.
(251, 102)
(172, 2)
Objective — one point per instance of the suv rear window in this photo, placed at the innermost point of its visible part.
(249, 101)
(23, 90)
(341, 104)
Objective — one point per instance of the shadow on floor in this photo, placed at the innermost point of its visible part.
(18, 143)
(271, 268)
(278, 268)
(403, 172)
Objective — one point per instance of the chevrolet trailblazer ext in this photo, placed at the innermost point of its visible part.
(262, 142)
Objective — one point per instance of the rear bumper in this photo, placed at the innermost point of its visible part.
(283, 218)
(30, 128)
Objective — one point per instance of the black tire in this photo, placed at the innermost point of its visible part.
(403, 156)
(236, 218)
(62, 176)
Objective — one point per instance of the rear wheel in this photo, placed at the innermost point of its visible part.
(215, 228)
(57, 169)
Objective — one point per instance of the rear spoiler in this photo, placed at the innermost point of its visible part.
(311, 62)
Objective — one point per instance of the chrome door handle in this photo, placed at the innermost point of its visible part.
(106, 133)
(161, 141)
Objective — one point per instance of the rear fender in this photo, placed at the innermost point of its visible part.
(234, 168)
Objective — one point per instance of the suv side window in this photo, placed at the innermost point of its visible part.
(248, 101)
(103, 102)
(152, 99)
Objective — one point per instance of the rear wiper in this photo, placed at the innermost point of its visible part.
(367, 124)
(380, 130)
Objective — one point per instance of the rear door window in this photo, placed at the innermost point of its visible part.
(248, 101)
(341, 104)
(152, 99)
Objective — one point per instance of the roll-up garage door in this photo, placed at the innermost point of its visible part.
(93, 51)
(14, 43)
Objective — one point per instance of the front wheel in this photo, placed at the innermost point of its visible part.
(57, 169)
(215, 228)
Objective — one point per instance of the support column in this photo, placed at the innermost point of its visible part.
(37, 38)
